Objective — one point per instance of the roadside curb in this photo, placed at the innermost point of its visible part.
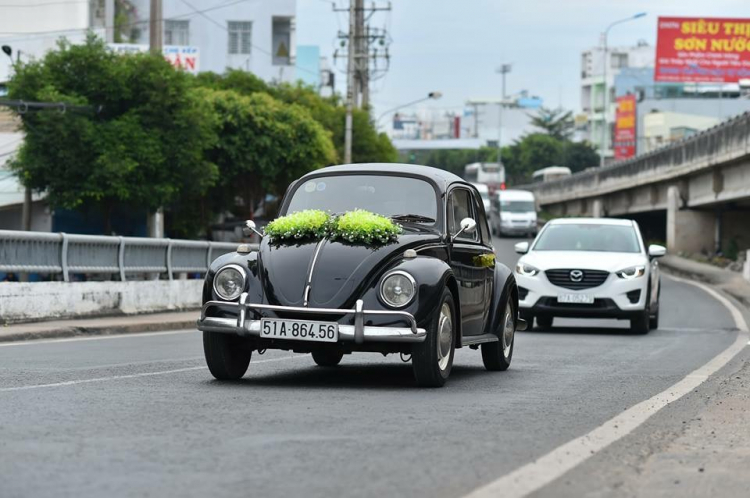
(728, 282)
(73, 331)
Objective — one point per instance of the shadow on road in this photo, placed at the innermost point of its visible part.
(358, 376)
(585, 331)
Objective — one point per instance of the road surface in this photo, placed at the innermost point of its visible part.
(140, 415)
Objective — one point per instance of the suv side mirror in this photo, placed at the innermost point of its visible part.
(522, 247)
(656, 251)
(249, 229)
(468, 225)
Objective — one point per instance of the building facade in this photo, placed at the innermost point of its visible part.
(596, 122)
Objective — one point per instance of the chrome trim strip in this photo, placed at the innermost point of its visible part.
(347, 333)
(359, 311)
(308, 284)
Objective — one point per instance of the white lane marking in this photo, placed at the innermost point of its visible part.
(34, 342)
(537, 474)
(132, 376)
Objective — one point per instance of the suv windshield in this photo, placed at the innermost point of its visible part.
(517, 206)
(588, 237)
(385, 195)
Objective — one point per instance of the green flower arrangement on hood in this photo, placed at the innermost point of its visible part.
(355, 227)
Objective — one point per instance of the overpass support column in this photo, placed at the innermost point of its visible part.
(597, 208)
(688, 230)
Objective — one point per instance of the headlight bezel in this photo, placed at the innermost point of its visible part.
(532, 271)
(383, 281)
(241, 287)
(637, 272)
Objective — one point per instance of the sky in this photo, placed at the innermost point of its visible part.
(455, 46)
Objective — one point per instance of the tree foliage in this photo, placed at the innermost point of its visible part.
(141, 146)
(367, 145)
(556, 123)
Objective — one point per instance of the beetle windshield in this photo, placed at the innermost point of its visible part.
(588, 237)
(384, 195)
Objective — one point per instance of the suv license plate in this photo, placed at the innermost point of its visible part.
(575, 298)
(300, 330)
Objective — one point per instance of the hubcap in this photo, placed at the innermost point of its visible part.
(509, 329)
(445, 336)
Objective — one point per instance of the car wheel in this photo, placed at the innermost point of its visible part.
(529, 319)
(653, 321)
(544, 321)
(432, 359)
(227, 355)
(496, 356)
(640, 324)
(326, 358)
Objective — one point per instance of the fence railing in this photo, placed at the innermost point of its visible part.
(65, 254)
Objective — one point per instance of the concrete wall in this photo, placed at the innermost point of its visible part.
(42, 300)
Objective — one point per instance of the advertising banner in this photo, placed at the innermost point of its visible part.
(702, 50)
(183, 57)
(625, 117)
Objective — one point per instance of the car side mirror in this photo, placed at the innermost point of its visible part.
(522, 247)
(249, 229)
(468, 225)
(656, 251)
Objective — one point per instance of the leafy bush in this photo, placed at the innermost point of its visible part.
(356, 227)
(364, 227)
(311, 223)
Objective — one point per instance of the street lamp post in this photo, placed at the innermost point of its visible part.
(430, 96)
(503, 70)
(606, 89)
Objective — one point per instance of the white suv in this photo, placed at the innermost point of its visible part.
(589, 268)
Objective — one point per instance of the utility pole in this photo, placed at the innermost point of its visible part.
(156, 24)
(360, 58)
(352, 53)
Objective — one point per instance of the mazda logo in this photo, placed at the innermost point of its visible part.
(576, 275)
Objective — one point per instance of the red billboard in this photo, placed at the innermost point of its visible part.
(625, 117)
(702, 50)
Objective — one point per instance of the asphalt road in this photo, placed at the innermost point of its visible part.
(141, 416)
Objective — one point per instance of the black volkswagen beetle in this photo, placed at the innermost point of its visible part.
(434, 289)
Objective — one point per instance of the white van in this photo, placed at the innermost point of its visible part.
(513, 213)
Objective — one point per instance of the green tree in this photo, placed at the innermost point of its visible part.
(263, 145)
(529, 154)
(579, 155)
(556, 123)
(367, 144)
(141, 147)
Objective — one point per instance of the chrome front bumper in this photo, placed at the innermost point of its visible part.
(357, 333)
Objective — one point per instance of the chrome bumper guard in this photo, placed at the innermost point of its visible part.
(357, 333)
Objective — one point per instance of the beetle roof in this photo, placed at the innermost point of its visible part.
(438, 176)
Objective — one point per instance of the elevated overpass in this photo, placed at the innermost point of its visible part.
(694, 194)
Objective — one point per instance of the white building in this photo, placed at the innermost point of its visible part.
(663, 128)
(597, 122)
(256, 36)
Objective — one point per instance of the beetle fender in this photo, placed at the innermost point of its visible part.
(505, 288)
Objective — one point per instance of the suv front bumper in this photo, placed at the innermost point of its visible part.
(357, 333)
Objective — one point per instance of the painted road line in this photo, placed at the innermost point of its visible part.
(132, 376)
(34, 342)
(537, 474)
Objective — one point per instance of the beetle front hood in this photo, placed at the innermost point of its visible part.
(341, 271)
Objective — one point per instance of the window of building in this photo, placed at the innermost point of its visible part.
(282, 41)
(240, 36)
(619, 60)
(176, 32)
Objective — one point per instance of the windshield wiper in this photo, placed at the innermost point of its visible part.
(413, 217)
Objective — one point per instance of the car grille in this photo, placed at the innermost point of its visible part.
(591, 278)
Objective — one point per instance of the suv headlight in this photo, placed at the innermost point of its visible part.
(526, 270)
(632, 272)
(397, 289)
(229, 282)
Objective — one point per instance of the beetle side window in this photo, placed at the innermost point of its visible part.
(460, 208)
(481, 218)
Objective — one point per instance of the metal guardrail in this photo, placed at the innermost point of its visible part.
(66, 254)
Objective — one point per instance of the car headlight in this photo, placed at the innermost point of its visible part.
(526, 270)
(229, 282)
(632, 272)
(398, 289)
